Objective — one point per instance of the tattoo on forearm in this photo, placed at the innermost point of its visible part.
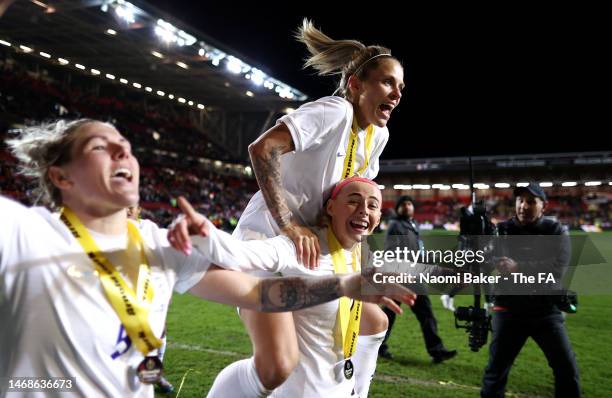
(290, 294)
(267, 172)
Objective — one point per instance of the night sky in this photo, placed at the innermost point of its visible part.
(528, 81)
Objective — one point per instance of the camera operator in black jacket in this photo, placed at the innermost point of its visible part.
(532, 313)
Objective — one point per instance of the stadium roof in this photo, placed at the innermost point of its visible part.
(142, 47)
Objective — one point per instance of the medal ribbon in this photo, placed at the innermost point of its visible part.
(132, 308)
(348, 316)
(351, 151)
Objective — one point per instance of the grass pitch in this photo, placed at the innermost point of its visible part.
(205, 337)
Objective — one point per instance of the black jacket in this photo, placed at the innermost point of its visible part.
(403, 233)
(540, 247)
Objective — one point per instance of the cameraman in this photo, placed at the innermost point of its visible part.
(404, 231)
(518, 317)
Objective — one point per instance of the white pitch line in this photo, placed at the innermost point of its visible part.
(386, 378)
(191, 347)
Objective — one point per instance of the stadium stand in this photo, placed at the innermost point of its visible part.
(165, 142)
(578, 186)
(184, 149)
(574, 209)
(167, 166)
(172, 90)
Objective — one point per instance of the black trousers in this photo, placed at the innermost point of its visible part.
(510, 332)
(423, 312)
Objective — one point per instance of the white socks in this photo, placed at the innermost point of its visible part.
(364, 360)
(238, 380)
(448, 302)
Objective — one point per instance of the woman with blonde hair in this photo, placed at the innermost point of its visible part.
(84, 291)
(297, 162)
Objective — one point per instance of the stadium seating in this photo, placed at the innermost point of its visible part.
(166, 145)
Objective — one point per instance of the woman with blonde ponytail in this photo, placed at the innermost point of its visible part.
(297, 163)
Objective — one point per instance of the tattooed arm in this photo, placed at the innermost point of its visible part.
(288, 293)
(294, 293)
(265, 155)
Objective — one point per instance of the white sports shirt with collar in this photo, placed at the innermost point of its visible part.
(320, 131)
(56, 319)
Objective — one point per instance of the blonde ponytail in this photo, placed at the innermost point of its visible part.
(333, 57)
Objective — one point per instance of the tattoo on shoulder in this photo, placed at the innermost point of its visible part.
(290, 294)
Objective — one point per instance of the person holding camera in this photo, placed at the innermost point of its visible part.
(517, 317)
(404, 231)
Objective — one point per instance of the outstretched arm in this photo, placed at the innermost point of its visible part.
(288, 294)
(192, 229)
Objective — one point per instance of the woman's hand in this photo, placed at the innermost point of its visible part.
(189, 223)
(306, 243)
(359, 286)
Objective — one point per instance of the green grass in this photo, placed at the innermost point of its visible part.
(205, 337)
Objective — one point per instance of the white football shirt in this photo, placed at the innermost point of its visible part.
(56, 319)
(320, 131)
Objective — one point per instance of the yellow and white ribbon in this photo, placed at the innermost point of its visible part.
(132, 308)
(348, 315)
(351, 151)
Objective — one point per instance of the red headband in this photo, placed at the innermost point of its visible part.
(343, 183)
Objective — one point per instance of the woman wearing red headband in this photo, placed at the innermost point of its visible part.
(326, 342)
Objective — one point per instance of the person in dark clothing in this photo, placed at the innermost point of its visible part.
(518, 317)
(405, 226)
